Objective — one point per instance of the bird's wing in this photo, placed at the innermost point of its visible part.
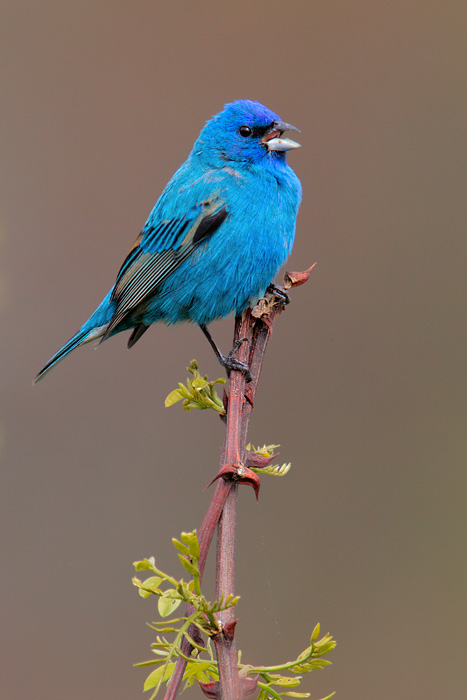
(159, 249)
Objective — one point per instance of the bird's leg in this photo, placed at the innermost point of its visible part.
(228, 361)
(279, 291)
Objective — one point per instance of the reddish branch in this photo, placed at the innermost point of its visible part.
(255, 327)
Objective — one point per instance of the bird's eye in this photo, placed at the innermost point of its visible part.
(245, 131)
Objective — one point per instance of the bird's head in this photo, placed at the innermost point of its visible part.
(244, 131)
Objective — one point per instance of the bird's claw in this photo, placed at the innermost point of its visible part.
(280, 292)
(232, 363)
(238, 343)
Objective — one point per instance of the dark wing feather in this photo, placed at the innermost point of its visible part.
(136, 334)
(157, 253)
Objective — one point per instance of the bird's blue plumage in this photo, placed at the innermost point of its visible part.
(216, 237)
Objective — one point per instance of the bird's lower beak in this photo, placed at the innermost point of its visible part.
(273, 139)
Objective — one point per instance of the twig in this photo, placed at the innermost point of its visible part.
(230, 683)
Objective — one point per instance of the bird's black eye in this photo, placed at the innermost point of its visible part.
(245, 131)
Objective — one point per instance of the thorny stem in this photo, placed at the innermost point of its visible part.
(255, 327)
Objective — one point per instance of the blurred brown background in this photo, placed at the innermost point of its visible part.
(101, 102)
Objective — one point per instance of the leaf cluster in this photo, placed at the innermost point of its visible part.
(309, 660)
(198, 392)
(201, 665)
(270, 469)
(171, 592)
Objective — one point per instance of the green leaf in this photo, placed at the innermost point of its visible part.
(159, 675)
(181, 547)
(167, 605)
(315, 633)
(190, 540)
(265, 450)
(185, 390)
(188, 537)
(173, 397)
(143, 593)
(273, 469)
(151, 662)
(194, 548)
(193, 669)
(145, 564)
(194, 644)
(153, 583)
(192, 570)
(160, 626)
(165, 630)
(286, 681)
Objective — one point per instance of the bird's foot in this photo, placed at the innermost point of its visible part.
(279, 291)
(230, 362)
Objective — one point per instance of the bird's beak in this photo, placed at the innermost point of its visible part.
(273, 138)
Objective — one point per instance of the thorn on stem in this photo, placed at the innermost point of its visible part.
(253, 459)
(229, 630)
(212, 689)
(241, 474)
(295, 279)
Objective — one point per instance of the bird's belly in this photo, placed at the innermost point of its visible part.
(216, 281)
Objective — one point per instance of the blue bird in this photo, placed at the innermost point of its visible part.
(216, 238)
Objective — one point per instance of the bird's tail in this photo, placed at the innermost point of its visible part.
(83, 336)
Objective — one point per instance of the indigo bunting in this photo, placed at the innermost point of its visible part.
(216, 237)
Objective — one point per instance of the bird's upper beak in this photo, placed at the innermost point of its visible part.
(273, 138)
